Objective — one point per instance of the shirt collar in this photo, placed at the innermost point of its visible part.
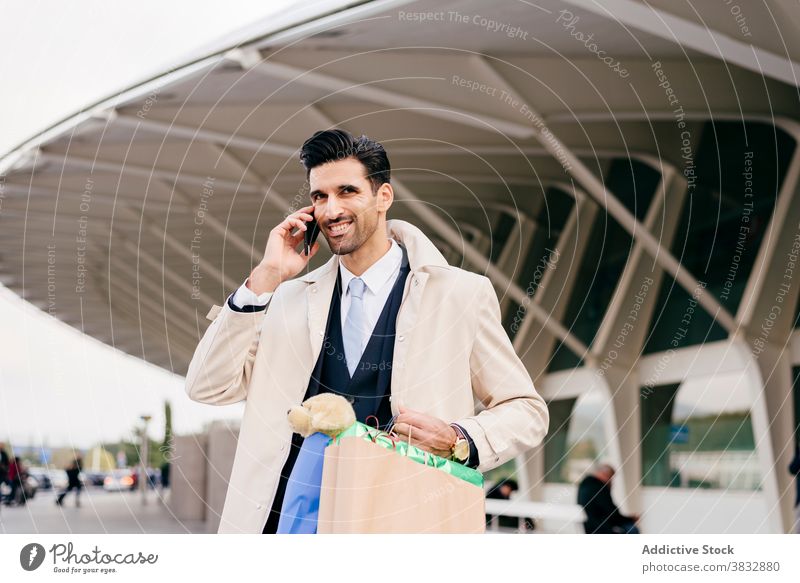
(378, 273)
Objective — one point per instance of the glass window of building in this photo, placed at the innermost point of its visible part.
(699, 434)
(577, 437)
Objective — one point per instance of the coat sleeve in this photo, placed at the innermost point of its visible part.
(515, 418)
(221, 367)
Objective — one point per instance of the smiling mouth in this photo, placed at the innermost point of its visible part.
(339, 229)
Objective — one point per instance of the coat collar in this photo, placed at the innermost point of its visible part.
(422, 253)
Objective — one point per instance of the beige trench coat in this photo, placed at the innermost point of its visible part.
(450, 349)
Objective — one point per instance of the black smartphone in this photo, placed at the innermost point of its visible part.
(311, 234)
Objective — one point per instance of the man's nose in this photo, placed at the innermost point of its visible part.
(333, 210)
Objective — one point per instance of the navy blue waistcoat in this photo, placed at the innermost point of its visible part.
(370, 386)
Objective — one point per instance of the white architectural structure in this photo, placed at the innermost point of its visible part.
(625, 172)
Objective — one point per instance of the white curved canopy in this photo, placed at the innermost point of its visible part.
(129, 220)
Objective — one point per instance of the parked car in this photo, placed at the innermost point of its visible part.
(42, 477)
(95, 478)
(58, 478)
(120, 480)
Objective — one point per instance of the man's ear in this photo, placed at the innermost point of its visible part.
(385, 197)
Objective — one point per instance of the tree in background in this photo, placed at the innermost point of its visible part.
(159, 452)
(167, 445)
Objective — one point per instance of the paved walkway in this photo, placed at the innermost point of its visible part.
(100, 512)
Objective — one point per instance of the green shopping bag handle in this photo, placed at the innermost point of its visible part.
(417, 455)
(394, 438)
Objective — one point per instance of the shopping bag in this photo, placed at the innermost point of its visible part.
(375, 483)
(301, 500)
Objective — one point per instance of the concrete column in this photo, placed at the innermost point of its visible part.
(222, 440)
(766, 317)
(533, 342)
(188, 478)
(620, 339)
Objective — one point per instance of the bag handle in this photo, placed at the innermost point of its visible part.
(394, 438)
(377, 427)
(427, 455)
(374, 437)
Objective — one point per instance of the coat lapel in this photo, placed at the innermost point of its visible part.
(318, 299)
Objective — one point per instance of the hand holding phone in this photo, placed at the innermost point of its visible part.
(281, 259)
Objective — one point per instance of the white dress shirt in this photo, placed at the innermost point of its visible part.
(379, 279)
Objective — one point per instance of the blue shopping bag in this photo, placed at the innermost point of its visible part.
(300, 509)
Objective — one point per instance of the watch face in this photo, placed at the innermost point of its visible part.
(461, 450)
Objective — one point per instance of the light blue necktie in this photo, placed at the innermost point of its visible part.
(353, 331)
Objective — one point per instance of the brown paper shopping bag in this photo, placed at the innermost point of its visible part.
(367, 488)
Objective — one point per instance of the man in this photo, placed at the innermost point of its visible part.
(5, 464)
(73, 483)
(165, 467)
(794, 469)
(386, 322)
(5, 461)
(16, 472)
(602, 515)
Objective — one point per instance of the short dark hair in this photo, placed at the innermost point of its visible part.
(508, 482)
(333, 145)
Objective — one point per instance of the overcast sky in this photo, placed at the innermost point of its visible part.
(58, 387)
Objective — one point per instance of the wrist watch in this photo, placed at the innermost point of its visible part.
(459, 451)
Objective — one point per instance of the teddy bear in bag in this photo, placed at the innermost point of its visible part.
(317, 420)
(327, 413)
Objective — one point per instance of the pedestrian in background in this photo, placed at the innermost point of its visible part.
(73, 483)
(602, 515)
(794, 468)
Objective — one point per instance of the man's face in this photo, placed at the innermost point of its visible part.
(606, 476)
(345, 207)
